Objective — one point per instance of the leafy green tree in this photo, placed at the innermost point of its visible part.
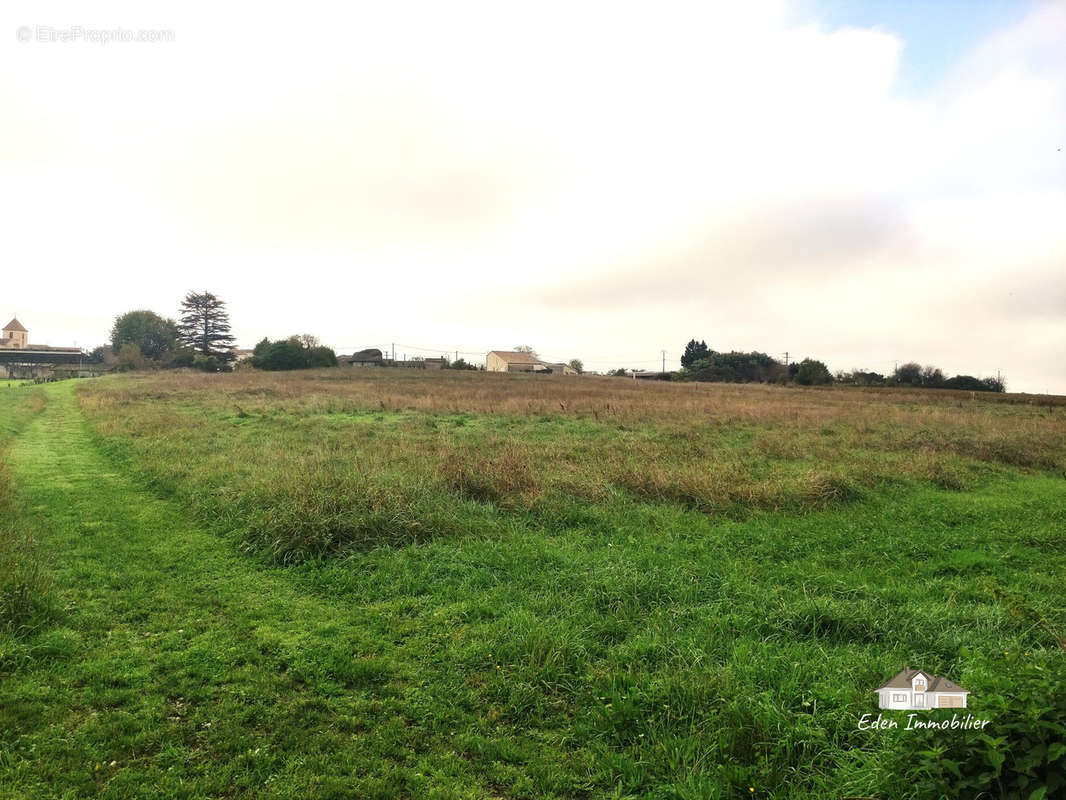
(811, 373)
(461, 363)
(576, 365)
(995, 384)
(153, 335)
(734, 367)
(204, 326)
(321, 356)
(694, 351)
(932, 377)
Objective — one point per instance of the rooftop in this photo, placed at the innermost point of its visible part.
(515, 357)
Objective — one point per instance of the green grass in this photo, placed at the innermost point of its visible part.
(540, 646)
(25, 604)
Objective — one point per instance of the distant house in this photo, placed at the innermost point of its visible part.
(557, 369)
(242, 354)
(918, 690)
(367, 358)
(418, 363)
(517, 361)
(372, 357)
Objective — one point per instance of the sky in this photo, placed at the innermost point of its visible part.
(861, 183)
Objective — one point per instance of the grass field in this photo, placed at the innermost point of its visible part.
(498, 586)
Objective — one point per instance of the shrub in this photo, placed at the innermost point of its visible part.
(860, 377)
(292, 353)
(811, 372)
(131, 358)
(210, 363)
(967, 382)
(1020, 754)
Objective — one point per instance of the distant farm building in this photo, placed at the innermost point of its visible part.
(367, 358)
(518, 361)
(372, 357)
(20, 359)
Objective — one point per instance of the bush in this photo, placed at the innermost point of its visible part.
(1021, 753)
(182, 357)
(210, 363)
(292, 353)
(860, 377)
(131, 358)
(967, 382)
(811, 372)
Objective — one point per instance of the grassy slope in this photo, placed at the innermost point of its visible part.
(635, 650)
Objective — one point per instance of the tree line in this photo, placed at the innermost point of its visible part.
(200, 338)
(700, 363)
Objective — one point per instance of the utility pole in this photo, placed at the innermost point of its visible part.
(786, 358)
(664, 362)
(394, 354)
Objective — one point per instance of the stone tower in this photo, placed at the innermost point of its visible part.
(15, 335)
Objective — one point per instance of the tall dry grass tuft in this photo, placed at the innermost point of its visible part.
(502, 474)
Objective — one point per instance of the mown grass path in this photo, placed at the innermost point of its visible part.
(180, 668)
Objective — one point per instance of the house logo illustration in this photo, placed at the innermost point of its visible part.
(915, 690)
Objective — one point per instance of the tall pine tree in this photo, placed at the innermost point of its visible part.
(694, 351)
(204, 326)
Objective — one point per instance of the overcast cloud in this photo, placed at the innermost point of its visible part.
(598, 180)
